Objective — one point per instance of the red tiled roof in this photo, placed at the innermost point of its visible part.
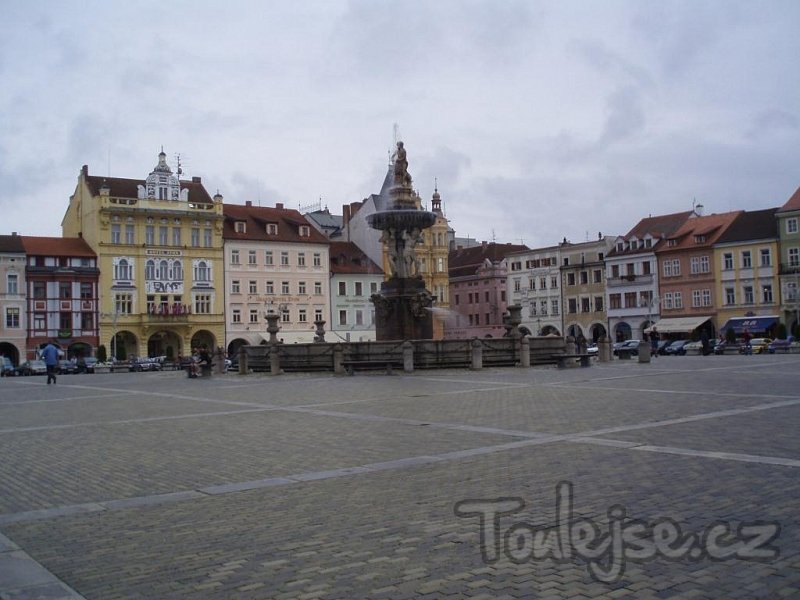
(466, 261)
(12, 244)
(129, 188)
(792, 203)
(711, 226)
(256, 219)
(56, 246)
(657, 227)
(347, 258)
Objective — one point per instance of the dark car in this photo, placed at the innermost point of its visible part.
(7, 367)
(629, 347)
(787, 345)
(67, 367)
(676, 348)
(32, 367)
(86, 365)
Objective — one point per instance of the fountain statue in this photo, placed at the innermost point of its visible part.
(402, 307)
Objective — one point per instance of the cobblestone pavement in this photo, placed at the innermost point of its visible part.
(153, 486)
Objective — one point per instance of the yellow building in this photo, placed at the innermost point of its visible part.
(747, 288)
(160, 252)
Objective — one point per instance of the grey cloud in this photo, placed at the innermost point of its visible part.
(772, 121)
(625, 116)
(243, 187)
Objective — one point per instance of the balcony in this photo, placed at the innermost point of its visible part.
(168, 312)
(625, 280)
(790, 269)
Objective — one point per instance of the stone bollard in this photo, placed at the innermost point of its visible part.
(219, 360)
(242, 361)
(338, 360)
(644, 352)
(408, 357)
(477, 355)
(525, 352)
(274, 360)
(604, 350)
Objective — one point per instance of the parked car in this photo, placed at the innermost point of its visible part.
(144, 364)
(676, 348)
(591, 350)
(7, 367)
(631, 347)
(67, 367)
(32, 367)
(758, 345)
(697, 347)
(86, 365)
(787, 345)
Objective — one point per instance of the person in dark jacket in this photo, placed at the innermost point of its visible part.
(50, 358)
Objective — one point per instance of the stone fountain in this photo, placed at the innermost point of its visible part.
(402, 307)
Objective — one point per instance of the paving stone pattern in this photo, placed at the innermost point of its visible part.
(152, 486)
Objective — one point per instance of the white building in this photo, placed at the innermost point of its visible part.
(275, 262)
(534, 282)
(354, 278)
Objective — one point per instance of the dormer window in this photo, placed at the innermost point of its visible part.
(620, 246)
(673, 242)
(240, 227)
(648, 243)
(699, 239)
(272, 228)
(305, 231)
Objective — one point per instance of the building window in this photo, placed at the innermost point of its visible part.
(572, 306)
(667, 300)
(646, 267)
(553, 282)
(39, 321)
(678, 300)
(358, 289)
(570, 278)
(317, 314)
(234, 257)
(195, 237)
(517, 288)
(696, 299)
(115, 233)
(730, 296)
(202, 304)
(766, 257)
(207, 237)
(584, 278)
(202, 272)
(301, 259)
(304, 230)
(554, 308)
(240, 227)
(317, 259)
(87, 322)
(253, 315)
(318, 288)
(163, 270)
(373, 287)
(747, 260)
(748, 294)
(129, 236)
(176, 236)
(162, 235)
(585, 305)
(123, 271)
(791, 225)
(359, 317)
(342, 288)
(251, 258)
(149, 235)
(794, 257)
(598, 304)
(597, 276)
(64, 290)
(39, 290)
(767, 294)
(123, 304)
(12, 283)
(235, 287)
(236, 315)
(272, 228)
(284, 259)
(302, 315)
(252, 287)
(615, 301)
(270, 288)
(12, 318)
(342, 317)
(301, 288)
(86, 291)
(268, 258)
(285, 288)
(706, 297)
(630, 300)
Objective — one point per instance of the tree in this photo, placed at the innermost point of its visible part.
(102, 356)
(781, 331)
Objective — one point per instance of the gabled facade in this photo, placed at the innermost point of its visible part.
(62, 295)
(583, 287)
(631, 268)
(158, 242)
(534, 282)
(688, 274)
(13, 309)
(747, 258)
(354, 278)
(788, 217)
(275, 262)
(478, 290)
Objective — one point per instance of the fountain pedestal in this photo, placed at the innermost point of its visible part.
(402, 310)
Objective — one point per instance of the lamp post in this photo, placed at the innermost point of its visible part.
(113, 344)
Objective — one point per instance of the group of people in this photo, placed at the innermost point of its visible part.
(199, 363)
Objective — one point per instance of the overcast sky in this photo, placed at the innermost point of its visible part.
(541, 120)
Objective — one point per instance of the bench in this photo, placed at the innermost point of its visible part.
(561, 359)
(351, 365)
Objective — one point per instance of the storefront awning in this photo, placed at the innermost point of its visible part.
(678, 324)
(739, 324)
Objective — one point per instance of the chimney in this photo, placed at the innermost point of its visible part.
(483, 243)
(345, 215)
(248, 203)
(13, 234)
(85, 170)
(196, 179)
(279, 205)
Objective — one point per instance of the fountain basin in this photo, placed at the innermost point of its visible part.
(400, 219)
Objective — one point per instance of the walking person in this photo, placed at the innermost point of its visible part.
(654, 341)
(748, 347)
(50, 357)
